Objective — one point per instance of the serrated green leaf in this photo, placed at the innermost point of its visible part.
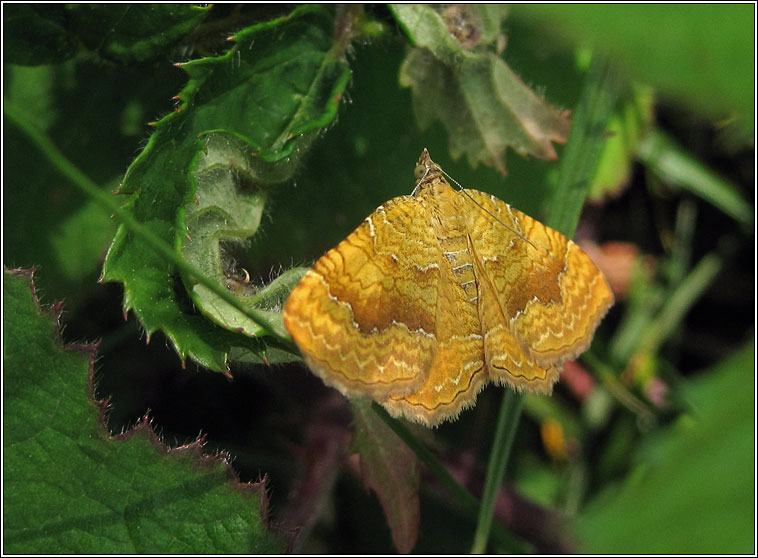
(484, 105)
(132, 32)
(391, 470)
(222, 212)
(268, 300)
(274, 90)
(227, 210)
(693, 490)
(69, 487)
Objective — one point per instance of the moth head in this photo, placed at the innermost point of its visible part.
(426, 172)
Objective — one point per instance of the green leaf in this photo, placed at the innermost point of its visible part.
(702, 54)
(124, 33)
(274, 91)
(228, 210)
(391, 470)
(677, 167)
(36, 34)
(461, 81)
(630, 121)
(585, 146)
(129, 33)
(693, 489)
(69, 487)
(80, 241)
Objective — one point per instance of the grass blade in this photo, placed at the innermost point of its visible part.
(578, 165)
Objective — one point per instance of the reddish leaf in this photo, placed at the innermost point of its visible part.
(391, 470)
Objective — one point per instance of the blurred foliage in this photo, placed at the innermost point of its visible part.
(647, 444)
(708, 70)
(682, 468)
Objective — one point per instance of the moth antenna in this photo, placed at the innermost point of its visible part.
(488, 212)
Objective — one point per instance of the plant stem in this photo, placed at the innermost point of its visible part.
(584, 146)
(618, 390)
(83, 183)
(577, 168)
(508, 419)
(684, 297)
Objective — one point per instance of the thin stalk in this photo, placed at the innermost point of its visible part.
(618, 390)
(687, 293)
(508, 419)
(577, 168)
(83, 183)
(585, 144)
